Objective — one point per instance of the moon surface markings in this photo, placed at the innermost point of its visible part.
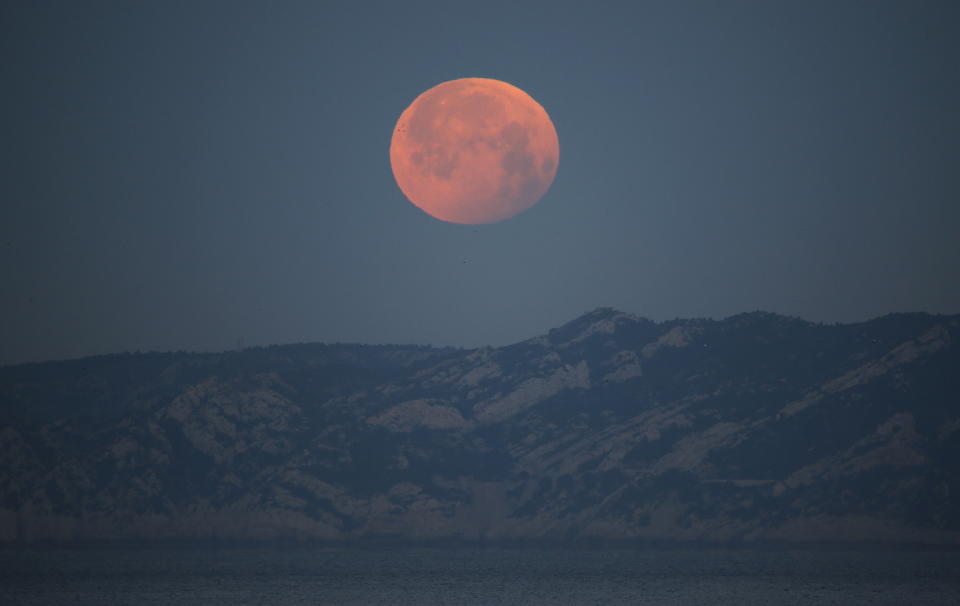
(474, 150)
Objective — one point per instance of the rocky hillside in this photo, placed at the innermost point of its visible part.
(612, 427)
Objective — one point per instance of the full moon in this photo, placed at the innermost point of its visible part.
(474, 150)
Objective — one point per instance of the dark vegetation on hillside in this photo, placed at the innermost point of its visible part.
(612, 427)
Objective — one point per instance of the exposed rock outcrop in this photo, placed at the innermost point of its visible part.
(612, 427)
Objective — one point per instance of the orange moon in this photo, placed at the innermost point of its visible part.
(474, 150)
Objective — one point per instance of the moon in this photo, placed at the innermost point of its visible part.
(474, 150)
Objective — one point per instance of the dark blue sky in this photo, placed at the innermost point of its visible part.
(183, 175)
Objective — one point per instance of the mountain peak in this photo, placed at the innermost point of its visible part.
(613, 427)
(602, 320)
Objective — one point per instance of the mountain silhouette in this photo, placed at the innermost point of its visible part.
(757, 427)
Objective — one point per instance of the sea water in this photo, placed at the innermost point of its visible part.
(294, 575)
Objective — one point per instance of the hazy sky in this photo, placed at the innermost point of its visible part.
(184, 175)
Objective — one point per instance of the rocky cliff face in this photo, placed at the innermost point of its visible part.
(612, 427)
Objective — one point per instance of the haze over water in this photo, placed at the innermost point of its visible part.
(369, 576)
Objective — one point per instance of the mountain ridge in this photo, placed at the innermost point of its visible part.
(612, 427)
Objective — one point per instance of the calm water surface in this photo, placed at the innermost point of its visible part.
(354, 576)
